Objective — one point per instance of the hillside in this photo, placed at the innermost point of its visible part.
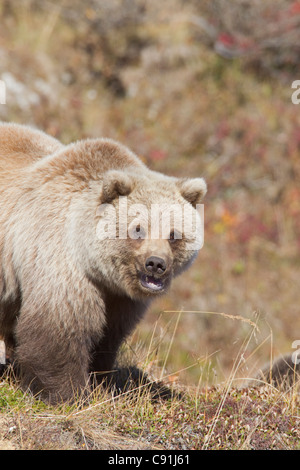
(217, 418)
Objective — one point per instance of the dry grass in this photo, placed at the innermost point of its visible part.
(225, 416)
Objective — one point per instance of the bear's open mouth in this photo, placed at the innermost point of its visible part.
(151, 282)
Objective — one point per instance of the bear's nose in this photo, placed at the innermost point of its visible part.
(154, 264)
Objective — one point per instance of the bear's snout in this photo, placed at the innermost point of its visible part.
(155, 265)
(155, 273)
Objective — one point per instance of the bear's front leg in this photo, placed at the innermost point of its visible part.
(58, 323)
(51, 364)
(122, 315)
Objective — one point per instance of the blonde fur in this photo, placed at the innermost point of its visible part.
(68, 299)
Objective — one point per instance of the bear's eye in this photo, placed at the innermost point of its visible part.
(174, 236)
(137, 232)
(140, 232)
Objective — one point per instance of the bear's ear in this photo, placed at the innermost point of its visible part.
(115, 183)
(192, 189)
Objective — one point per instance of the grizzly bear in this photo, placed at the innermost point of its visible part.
(69, 292)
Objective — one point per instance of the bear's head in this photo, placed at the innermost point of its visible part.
(149, 229)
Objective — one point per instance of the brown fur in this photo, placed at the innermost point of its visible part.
(282, 373)
(68, 299)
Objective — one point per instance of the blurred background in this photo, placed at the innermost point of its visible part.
(195, 88)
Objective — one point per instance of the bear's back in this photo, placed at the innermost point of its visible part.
(21, 146)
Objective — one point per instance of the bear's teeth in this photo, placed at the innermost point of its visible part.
(152, 283)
